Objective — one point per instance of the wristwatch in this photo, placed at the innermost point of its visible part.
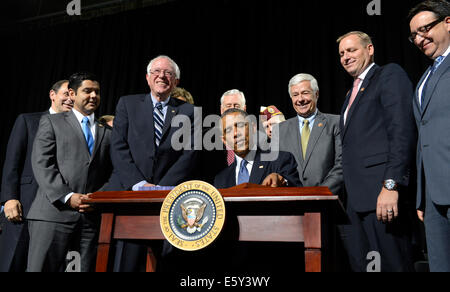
(390, 185)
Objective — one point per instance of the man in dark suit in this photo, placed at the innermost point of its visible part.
(251, 164)
(430, 32)
(70, 159)
(141, 145)
(312, 137)
(18, 184)
(378, 139)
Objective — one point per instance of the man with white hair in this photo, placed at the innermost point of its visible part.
(141, 149)
(312, 137)
(233, 98)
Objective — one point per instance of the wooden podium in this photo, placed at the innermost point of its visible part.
(306, 215)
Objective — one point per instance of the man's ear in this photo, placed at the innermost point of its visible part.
(72, 94)
(223, 139)
(52, 94)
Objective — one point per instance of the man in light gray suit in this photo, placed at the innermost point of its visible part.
(430, 32)
(312, 137)
(70, 159)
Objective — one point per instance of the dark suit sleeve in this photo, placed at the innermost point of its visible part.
(334, 179)
(287, 168)
(14, 160)
(396, 98)
(45, 165)
(123, 162)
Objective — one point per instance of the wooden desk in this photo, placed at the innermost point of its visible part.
(305, 213)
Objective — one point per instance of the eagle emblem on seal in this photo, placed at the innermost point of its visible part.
(192, 211)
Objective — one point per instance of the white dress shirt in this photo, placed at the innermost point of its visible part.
(250, 159)
(428, 75)
(362, 77)
(80, 117)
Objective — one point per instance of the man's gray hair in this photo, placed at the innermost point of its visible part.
(174, 65)
(233, 92)
(303, 77)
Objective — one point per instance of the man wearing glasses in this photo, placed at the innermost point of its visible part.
(141, 149)
(430, 32)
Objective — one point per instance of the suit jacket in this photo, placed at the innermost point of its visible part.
(322, 165)
(133, 150)
(378, 140)
(433, 123)
(284, 165)
(18, 182)
(62, 164)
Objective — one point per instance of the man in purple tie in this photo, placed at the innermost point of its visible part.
(430, 32)
(378, 139)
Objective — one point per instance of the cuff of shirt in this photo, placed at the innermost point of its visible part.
(66, 198)
(138, 185)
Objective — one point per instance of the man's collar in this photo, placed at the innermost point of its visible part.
(446, 52)
(250, 157)
(364, 74)
(155, 101)
(80, 116)
(310, 118)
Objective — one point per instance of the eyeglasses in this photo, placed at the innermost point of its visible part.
(166, 73)
(423, 30)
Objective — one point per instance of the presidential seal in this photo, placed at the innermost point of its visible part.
(192, 215)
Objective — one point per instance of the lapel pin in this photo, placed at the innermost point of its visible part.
(261, 167)
(362, 89)
(173, 111)
(320, 125)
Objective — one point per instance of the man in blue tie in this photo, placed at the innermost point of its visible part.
(430, 32)
(70, 159)
(250, 165)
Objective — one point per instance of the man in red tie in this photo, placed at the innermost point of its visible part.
(378, 140)
(233, 98)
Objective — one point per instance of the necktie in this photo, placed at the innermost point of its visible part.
(243, 176)
(87, 134)
(435, 66)
(305, 137)
(158, 117)
(352, 97)
(230, 157)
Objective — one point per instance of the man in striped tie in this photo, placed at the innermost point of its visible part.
(141, 149)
